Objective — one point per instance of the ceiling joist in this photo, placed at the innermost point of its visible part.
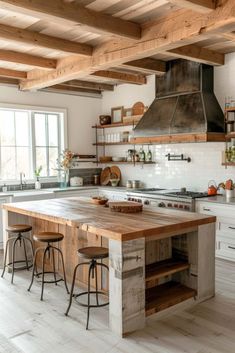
(121, 76)
(72, 13)
(165, 34)
(146, 65)
(89, 85)
(204, 6)
(199, 54)
(42, 40)
(13, 74)
(27, 59)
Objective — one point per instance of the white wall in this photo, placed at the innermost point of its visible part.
(82, 113)
(206, 157)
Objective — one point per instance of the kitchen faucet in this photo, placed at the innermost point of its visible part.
(22, 183)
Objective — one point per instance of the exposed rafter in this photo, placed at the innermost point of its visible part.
(165, 34)
(42, 40)
(13, 73)
(27, 59)
(199, 54)
(72, 13)
(147, 65)
(89, 85)
(121, 76)
(204, 6)
(65, 88)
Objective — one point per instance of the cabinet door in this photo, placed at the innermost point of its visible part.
(2, 200)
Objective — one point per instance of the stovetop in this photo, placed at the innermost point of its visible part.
(171, 193)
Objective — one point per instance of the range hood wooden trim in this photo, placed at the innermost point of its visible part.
(180, 138)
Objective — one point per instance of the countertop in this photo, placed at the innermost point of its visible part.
(57, 190)
(218, 199)
(80, 212)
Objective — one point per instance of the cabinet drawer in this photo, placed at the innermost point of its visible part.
(226, 250)
(215, 209)
(226, 227)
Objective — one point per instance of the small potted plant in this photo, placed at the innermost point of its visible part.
(37, 173)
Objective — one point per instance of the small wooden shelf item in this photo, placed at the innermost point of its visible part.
(162, 269)
(166, 295)
(111, 143)
(128, 121)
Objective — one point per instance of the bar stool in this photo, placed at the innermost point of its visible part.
(48, 237)
(92, 254)
(20, 238)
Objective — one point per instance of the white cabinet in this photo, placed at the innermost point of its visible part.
(2, 200)
(225, 227)
(75, 193)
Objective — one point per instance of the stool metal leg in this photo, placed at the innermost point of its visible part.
(5, 256)
(72, 288)
(43, 268)
(96, 284)
(13, 258)
(34, 267)
(62, 260)
(53, 261)
(25, 254)
(88, 293)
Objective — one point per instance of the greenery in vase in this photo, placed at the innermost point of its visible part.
(37, 172)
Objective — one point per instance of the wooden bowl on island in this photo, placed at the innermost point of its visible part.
(99, 200)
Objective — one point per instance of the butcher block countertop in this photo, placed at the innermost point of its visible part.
(81, 213)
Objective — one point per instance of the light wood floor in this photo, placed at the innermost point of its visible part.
(31, 326)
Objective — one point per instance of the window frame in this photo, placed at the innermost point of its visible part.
(62, 131)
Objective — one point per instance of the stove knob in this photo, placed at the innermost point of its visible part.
(169, 205)
(176, 205)
(161, 204)
(146, 202)
(139, 200)
(180, 206)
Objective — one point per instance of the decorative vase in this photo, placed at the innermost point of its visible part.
(37, 184)
(63, 178)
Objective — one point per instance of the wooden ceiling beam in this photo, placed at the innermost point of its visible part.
(203, 6)
(72, 13)
(170, 32)
(228, 36)
(42, 40)
(89, 85)
(63, 87)
(13, 73)
(9, 81)
(27, 59)
(199, 54)
(147, 65)
(121, 76)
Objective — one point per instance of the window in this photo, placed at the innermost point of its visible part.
(29, 139)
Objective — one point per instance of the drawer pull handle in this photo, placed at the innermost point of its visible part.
(206, 209)
(231, 247)
(232, 228)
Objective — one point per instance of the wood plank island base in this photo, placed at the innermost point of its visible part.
(153, 255)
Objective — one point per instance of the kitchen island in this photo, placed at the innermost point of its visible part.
(157, 258)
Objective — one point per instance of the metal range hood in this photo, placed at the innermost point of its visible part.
(185, 108)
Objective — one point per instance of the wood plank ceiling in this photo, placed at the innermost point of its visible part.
(91, 46)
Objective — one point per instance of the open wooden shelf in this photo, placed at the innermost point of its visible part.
(162, 269)
(232, 109)
(232, 164)
(111, 143)
(111, 162)
(230, 135)
(166, 295)
(134, 121)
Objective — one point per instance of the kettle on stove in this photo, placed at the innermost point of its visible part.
(212, 188)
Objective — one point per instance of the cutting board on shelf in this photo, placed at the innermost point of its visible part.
(105, 176)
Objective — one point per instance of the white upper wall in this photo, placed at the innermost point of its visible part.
(82, 113)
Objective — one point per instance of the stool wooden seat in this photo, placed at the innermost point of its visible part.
(93, 252)
(48, 237)
(50, 250)
(19, 228)
(18, 238)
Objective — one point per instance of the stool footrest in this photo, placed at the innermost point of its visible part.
(48, 272)
(10, 265)
(91, 305)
